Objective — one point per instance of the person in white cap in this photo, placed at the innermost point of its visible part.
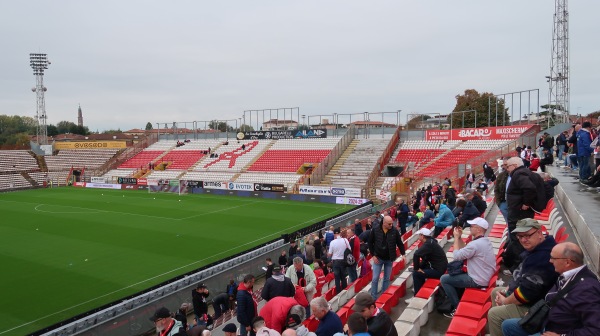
(480, 259)
(429, 260)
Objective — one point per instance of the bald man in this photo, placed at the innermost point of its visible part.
(576, 313)
(382, 244)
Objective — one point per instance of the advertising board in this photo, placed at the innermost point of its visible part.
(330, 191)
(479, 133)
(275, 135)
(103, 185)
(215, 185)
(89, 144)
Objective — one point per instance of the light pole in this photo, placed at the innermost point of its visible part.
(39, 63)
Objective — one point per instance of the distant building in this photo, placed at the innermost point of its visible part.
(371, 124)
(279, 124)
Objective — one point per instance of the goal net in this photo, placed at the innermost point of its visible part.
(167, 186)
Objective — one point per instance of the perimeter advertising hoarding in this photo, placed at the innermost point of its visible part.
(127, 180)
(103, 185)
(269, 187)
(215, 185)
(480, 133)
(383, 195)
(240, 186)
(275, 135)
(330, 191)
(351, 201)
(89, 144)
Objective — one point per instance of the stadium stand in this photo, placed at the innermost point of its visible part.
(17, 160)
(287, 156)
(88, 158)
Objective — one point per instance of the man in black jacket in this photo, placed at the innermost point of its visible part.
(429, 260)
(382, 244)
(278, 285)
(379, 322)
(200, 303)
(246, 306)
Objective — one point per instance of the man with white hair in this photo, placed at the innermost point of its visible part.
(260, 328)
(429, 260)
(329, 322)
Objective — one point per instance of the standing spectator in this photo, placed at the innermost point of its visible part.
(200, 303)
(220, 304)
(573, 314)
(382, 244)
(318, 245)
(354, 243)
(293, 249)
(500, 190)
(429, 260)
(479, 255)
(165, 324)
(482, 186)
(402, 212)
(572, 141)
(357, 227)
(532, 279)
(561, 141)
(444, 219)
(303, 276)
(278, 285)
(232, 293)
(269, 269)
(309, 251)
(329, 236)
(469, 179)
(450, 196)
(181, 314)
(246, 305)
(584, 151)
(488, 173)
(336, 254)
(329, 322)
(378, 321)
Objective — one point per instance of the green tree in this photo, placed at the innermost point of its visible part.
(111, 131)
(220, 126)
(414, 122)
(246, 128)
(148, 126)
(473, 106)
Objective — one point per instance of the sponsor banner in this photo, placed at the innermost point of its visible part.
(351, 201)
(130, 186)
(315, 190)
(79, 184)
(480, 133)
(103, 185)
(89, 144)
(152, 182)
(214, 185)
(383, 195)
(330, 191)
(240, 186)
(98, 179)
(193, 184)
(296, 134)
(348, 192)
(269, 187)
(126, 180)
(142, 181)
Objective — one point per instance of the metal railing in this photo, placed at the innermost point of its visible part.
(319, 173)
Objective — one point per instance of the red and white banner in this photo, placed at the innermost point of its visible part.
(480, 133)
(142, 181)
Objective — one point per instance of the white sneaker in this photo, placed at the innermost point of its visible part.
(407, 301)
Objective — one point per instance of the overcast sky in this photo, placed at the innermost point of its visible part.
(130, 62)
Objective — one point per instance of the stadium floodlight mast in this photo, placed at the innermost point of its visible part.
(39, 63)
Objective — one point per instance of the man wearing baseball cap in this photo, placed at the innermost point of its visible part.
(429, 260)
(165, 324)
(532, 279)
(480, 258)
(379, 322)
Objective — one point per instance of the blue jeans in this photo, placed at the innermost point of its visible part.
(352, 276)
(504, 210)
(511, 327)
(339, 271)
(572, 160)
(387, 271)
(452, 282)
(419, 278)
(561, 149)
(584, 167)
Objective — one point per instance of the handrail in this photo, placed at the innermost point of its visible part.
(329, 161)
(383, 159)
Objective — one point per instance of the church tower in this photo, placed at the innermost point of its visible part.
(79, 117)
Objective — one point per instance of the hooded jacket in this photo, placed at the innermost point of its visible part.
(584, 139)
(275, 312)
(445, 217)
(277, 285)
(246, 306)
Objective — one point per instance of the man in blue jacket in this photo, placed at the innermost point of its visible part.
(246, 306)
(584, 151)
(444, 219)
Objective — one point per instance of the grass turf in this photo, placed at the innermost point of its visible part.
(65, 251)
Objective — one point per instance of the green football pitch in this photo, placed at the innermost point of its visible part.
(65, 251)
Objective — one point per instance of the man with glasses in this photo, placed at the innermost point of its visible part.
(532, 279)
(165, 324)
(383, 241)
(576, 313)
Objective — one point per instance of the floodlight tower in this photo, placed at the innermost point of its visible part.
(559, 65)
(39, 63)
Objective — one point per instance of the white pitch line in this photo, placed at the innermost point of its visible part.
(157, 276)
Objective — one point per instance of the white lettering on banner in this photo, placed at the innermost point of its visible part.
(98, 179)
(383, 195)
(315, 190)
(511, 130)
(214, 185)
(103, 185)
(351, 201)
(240, 186)
(471, 133)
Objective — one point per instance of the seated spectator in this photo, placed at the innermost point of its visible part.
(546, 159)
(549, 184)
(444, 219)
(531, 280)
(470, 212)
(594, 181)
(458, 209)
(482, 186)
(480, 258)
(260, 328)
(429, 260)
(329, 322)
(428, 216)
(534, 163)
(294, 322)
(573, 314)
(477, 200)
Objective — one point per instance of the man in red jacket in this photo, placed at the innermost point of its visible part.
(275, 311)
